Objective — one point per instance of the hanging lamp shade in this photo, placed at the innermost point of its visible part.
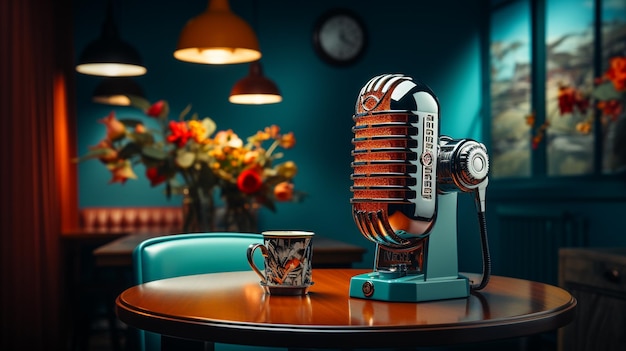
(217, 36)
(109, 55)
(117, 91)
(255, 88)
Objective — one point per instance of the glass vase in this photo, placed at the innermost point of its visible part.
(240, 214)
(198, 210)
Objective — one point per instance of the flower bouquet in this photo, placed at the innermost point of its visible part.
(192, 159)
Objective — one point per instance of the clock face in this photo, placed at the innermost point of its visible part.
(339, 37)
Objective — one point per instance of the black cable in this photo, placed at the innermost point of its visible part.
(485, 251)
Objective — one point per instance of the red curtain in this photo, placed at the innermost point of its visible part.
(36, 178)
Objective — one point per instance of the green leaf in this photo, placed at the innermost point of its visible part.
(209, 125)
(166, 111)
(129, 122)
(96, 153)
(605, 91)
(129, 150)
(265, 201)
(142, 138)
(184, 112)
(139, 102)
(154, 152)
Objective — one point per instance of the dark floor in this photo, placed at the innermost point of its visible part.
(100, 340)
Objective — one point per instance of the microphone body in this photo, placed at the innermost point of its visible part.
(402, 170)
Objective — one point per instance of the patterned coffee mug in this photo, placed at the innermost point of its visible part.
(287, 258)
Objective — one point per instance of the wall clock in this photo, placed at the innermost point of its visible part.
(339, 37)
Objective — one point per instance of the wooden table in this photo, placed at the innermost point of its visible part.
(326, 252)
(232, 308)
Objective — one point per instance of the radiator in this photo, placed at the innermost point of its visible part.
(530, 240)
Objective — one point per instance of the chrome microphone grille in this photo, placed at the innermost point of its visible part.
(394, 164)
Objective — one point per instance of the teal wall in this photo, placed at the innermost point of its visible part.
(437, 42)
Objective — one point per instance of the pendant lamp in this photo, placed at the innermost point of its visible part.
(117, 91)
(109, 55)
(217, 36)
(255, 88)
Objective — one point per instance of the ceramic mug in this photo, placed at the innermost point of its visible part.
(287, 258)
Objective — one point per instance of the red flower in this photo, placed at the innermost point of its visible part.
(157, 109)
(570, 97)
(617, 72)
(611, 108)
(154, 176)
(180, 133)
(536, 141)
(249, 181)
(582, 102)
(567, 99)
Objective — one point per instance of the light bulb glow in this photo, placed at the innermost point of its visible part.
(111, 69)
(217, 56)
(255, 99)
(117, 100)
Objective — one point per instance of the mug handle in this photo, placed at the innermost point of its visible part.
(250, 255)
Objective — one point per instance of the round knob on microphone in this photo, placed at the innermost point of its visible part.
(473, 163)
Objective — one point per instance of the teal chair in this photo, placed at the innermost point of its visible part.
(188, 254)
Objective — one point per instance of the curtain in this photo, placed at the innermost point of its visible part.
(36, 137)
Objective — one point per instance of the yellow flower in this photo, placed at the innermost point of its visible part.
(198, 131)
(287, 169)
(250, 157)
(121, 171)
(261, 136)
(583, 127)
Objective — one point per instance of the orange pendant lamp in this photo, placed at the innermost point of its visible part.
(217, 36)
(255, 88)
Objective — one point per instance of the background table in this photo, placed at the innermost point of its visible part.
(326, 252)
(232, 308)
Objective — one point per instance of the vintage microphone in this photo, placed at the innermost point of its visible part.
(401, 170)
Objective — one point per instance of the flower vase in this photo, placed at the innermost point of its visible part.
(198, 210)
(240, 215)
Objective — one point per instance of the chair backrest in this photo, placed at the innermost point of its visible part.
(187, 254)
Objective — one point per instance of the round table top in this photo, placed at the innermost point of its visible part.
(233, 308)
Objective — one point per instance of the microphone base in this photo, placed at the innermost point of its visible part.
(397, 277)
(375, 286)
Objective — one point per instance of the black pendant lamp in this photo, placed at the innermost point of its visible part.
(109, 55)
(255, 88)
(119, 91)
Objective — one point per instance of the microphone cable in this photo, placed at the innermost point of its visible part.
(485, 253)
